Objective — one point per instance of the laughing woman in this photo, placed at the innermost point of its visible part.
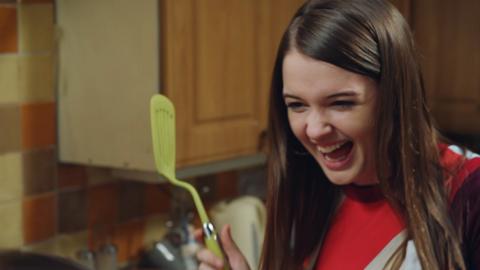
(359, 178)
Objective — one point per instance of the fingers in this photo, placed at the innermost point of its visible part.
(205, 267)
(235, 256)
(229, 245)
(209, 260)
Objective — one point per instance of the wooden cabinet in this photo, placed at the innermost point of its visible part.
(213, 58)
(448, 36)
(217, 57)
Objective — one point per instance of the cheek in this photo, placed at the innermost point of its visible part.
(358, 125)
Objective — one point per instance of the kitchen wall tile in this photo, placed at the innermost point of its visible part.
(99, 176)
(100, 235)
(39, 218)
(72, 214)
(10, 127)
(128, 238)
(38, 125)
(157, 198)
(10, 176)
(35, 73)
(252, 182)
(34, 1)
(207, 187)
(102, 205)
(11, 232)
(35, 27)
(39, 171)
(8, 29)
(226, 185)
(9, 79)
(131, 200)
(70, 175)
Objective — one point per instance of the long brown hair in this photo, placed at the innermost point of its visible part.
(371, 38)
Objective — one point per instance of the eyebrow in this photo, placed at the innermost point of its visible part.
(347, 93)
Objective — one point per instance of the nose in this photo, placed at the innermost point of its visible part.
(318, 126)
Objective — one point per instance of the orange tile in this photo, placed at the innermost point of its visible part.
(157, 199)
(8, 29)
(38, 125)
(39, 218)
(128, 238)
(102, 202)
(70, 175)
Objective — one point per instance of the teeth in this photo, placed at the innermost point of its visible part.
(329, 149)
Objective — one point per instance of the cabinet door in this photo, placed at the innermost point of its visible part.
(107, 72)
(448, 34)
(217, 62)
(211, 65)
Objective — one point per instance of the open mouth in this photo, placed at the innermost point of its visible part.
(338, 152)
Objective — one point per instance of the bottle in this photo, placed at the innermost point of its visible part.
(106, 258)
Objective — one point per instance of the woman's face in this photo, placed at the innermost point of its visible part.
(331, 112)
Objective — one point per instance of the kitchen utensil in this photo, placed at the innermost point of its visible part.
(162, 116)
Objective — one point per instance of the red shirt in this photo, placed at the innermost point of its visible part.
(365, 223)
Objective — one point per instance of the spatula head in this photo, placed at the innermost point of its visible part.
(162, 117)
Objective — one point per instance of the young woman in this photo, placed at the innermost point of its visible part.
(359, 178)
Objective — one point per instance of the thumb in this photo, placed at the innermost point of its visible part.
(234, 255)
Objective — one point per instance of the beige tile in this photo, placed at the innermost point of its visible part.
(11, 232)
(35, 27)
(8, 79)
(10, 176)
(35, 75)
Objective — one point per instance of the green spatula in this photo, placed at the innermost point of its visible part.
(162, 117)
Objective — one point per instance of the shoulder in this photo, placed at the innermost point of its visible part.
(461, 167)
(464, 168)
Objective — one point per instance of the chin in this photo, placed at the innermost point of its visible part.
(339, 179)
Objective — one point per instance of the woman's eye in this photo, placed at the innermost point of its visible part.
(343, 104)
(294, 106)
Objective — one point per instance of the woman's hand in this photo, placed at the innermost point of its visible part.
(208, 261)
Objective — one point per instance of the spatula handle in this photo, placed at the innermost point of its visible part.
(212, 241)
